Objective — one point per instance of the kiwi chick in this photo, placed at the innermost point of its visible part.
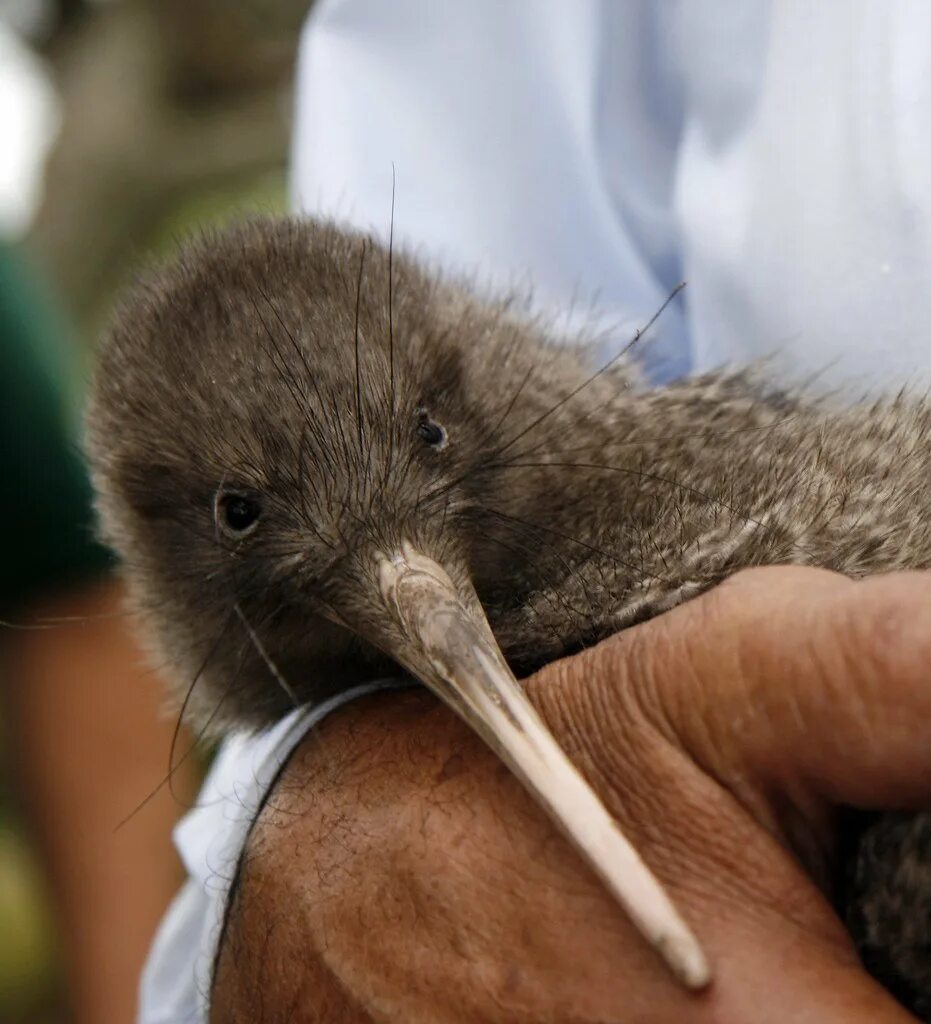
(289, 399)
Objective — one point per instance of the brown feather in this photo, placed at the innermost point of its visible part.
(262, 362)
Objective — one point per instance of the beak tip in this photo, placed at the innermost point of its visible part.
(685, 957)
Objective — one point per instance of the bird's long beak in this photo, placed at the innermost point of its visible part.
(448, 645)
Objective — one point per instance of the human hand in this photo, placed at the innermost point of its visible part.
(399, 873)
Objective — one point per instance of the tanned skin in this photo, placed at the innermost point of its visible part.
(398, 874)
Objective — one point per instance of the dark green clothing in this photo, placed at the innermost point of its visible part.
(46, 522)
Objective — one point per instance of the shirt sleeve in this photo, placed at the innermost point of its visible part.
(176, 982)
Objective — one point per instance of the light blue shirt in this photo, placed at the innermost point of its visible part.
(777, 155)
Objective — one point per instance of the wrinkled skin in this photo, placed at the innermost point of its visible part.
(398, 873)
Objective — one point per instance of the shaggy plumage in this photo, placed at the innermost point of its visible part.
(337, 398)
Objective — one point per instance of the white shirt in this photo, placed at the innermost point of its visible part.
(777, 155)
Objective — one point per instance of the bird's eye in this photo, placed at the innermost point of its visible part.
(237, 514)
(429, 431)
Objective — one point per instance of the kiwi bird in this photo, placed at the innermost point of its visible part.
(315, 457)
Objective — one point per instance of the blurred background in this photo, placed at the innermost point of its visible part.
(124, 125)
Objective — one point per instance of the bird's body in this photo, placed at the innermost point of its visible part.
(290, 403)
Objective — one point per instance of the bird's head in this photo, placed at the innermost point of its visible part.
(292, 432)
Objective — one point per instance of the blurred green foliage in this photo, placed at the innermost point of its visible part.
(27, 955)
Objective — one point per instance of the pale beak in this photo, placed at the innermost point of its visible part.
(449, 646)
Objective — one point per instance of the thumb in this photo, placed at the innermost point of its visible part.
(813, 689)
(782, 683)
(808, 680)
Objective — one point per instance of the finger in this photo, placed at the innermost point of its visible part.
(779, 952)
(805, 679)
